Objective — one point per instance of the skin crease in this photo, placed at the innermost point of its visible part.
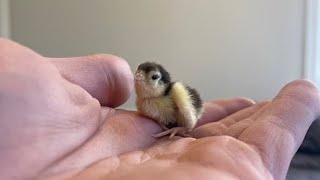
(52, 126)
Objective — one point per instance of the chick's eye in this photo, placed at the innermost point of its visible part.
(155, 76)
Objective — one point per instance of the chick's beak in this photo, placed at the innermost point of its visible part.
(138, 76)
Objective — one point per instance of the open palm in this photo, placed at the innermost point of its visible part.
(57, 121)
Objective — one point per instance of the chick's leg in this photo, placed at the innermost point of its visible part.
(180, 131)
(163, 126)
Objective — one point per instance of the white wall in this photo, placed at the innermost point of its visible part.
(312, 39)
(4, 19)
(223, 48)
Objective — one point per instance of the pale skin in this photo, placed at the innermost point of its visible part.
(58, 121)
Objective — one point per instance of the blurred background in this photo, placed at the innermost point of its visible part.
(223, 48)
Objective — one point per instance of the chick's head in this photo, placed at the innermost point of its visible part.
(151, 80)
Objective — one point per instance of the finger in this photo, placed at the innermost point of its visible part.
(278, 132)
(230, 125)
(106, 77)
(217, 110)
(250, 112)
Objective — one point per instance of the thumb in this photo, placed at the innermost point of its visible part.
(282, 126)
(106, 77)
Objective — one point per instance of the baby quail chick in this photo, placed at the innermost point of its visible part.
(174, 105)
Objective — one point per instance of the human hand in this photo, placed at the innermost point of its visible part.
(257, 142)
(61, 131)
(50, 107)
(51, 121)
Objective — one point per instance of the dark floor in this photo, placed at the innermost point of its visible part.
(303, 174)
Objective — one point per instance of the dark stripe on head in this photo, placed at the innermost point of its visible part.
(147, 67)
